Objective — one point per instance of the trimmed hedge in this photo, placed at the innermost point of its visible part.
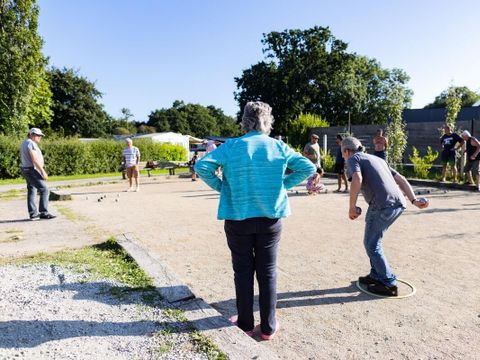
(72, 157)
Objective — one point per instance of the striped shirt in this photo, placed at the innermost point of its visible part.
(130, 155)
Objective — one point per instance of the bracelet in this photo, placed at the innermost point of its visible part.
(415, 199)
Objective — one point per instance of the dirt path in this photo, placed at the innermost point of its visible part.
(322, 314)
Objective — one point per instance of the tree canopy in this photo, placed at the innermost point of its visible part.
(311, 71)
(468, 97)
(76, 107)
(193, 119)
(24, 92)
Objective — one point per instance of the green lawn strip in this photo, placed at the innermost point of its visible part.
(12, 194)
(109, 260)
(87, 176)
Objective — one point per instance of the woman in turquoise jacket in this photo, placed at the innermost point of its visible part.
(253, 199)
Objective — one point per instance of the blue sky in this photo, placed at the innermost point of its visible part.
(144, 54)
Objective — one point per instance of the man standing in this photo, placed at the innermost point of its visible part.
(473, 158)
(340, 165)
(380, 144)
(32, 170)
(312, 150)
(131, 159)
(449, 140)
(378, 183)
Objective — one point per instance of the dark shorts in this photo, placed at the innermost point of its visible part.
(471, 165)
(132, 171)
(339, 168)
(448, 157)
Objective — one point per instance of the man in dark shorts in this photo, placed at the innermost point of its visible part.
(449, 142)
(473, 158)
(339, 168)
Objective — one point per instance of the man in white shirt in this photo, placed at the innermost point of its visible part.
(131, 159)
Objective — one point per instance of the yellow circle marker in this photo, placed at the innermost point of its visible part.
(411, 286)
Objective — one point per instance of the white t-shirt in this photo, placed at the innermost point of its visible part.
(130, 155)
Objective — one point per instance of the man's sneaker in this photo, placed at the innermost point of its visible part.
(367, 280)
(35, 217)
(47, 216)
(137, 189)
(129, 189)
(381, 289)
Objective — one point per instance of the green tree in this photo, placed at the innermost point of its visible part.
(76, 107)
(468, 97)
(298, 129)
(453, 104)
(311, 71)
(396, 128)
(24, 94)
(194, 119)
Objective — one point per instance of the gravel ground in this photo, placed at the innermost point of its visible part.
(47, 312)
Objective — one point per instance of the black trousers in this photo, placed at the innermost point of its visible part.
(254, 245)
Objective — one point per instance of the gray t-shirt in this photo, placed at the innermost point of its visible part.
(25, 158)
(378, 185)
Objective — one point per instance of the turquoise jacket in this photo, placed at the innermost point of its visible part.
(253, 181)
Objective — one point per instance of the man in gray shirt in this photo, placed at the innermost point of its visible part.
(32, 170)
(382, 189)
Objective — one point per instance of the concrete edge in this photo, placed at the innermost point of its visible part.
(230, 339)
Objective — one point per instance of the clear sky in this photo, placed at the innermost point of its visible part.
(144, 54)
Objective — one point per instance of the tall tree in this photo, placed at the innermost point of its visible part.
(193, 119)
(24, 94)
(467, 96)
(311, 71)
(76, 107)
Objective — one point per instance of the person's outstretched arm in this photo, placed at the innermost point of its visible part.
(207, 166)
(301, 168)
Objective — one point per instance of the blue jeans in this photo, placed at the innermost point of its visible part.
(35, 182)
(377, 221)
(254, 246)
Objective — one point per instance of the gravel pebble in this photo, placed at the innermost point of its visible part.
(47, 312)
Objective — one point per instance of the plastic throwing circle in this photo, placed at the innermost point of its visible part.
(411, 286)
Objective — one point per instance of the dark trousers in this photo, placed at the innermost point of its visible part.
(254, 246)
(35, 182)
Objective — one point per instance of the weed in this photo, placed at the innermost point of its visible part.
(206, 346)
(175, 314)
(12, 194)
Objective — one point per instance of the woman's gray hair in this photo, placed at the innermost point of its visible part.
(353, 144)
(257, 116)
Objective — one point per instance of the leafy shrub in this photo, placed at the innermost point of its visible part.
(422, 165)
(72, 157)
(328, 161)
(298, 128)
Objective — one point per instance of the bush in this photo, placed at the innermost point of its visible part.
(72, 157)
(422, 165)
(298, 128)
(328, 161)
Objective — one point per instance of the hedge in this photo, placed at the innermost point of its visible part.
(72, 157)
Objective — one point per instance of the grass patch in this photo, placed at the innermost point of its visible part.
(175, 314)
(69, 214)
(12, 194)
(105, 260)
(207, 346)
(13, 231)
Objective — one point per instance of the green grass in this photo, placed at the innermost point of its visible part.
(12, 194)
(207, 346)
(105, 260)
(87, 176)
